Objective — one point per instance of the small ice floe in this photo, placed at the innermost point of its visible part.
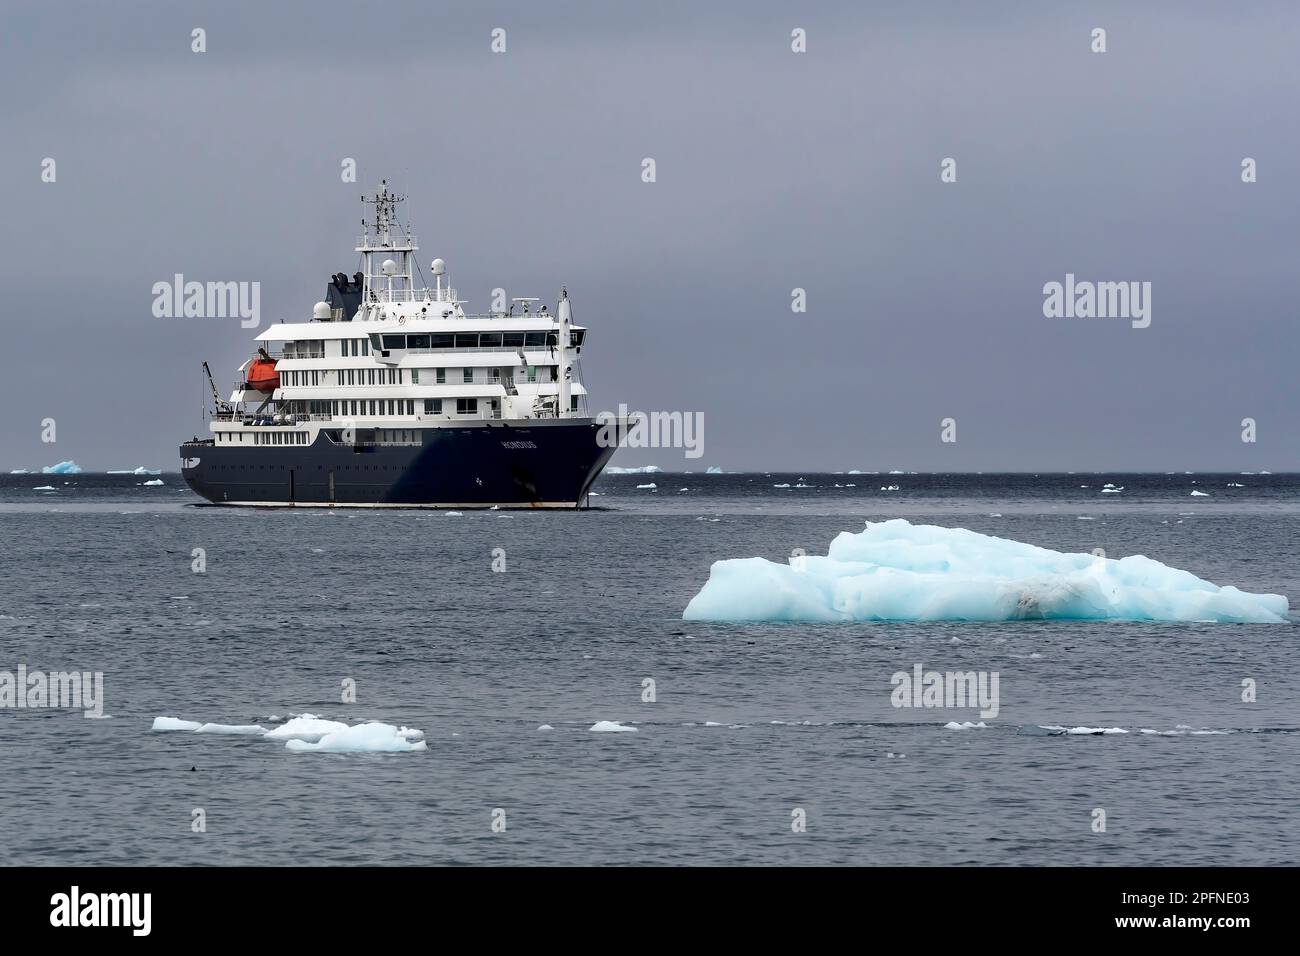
(648, 487)
(175, 723)
(1109, 489)
(363, 738)
(45, 488)
(1235, 484)
(306, 733)
(964, 725)
(683, 489)
(642, 470)
(1085, 518)
(995, 515)
(713, 470)
(546, 727)
(455, 514)
(62, 468)
(611, 727)
(306, 727)
(152, 483)
(18, 471)
(1200, 494)
(889, 487)
(781, 486)
(250, 730)
(1183, 730)
(137, 471)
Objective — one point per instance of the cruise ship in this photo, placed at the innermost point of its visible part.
(392, 395)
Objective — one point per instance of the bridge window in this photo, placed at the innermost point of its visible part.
(514, 340)
(489, 340)
(466, 340)
(417, 341)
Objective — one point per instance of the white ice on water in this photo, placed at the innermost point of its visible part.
(896, 571)
(363, 738)
(642, 470)
(611, 727)
(307, 733)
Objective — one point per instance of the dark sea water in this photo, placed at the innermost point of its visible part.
(751, 722)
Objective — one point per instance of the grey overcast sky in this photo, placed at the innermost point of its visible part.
(775, 170)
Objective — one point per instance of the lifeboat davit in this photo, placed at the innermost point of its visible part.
(262, 375)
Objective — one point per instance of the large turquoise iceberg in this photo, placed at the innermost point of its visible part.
(897, 571)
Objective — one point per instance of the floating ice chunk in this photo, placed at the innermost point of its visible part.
(642, 470)
(713, 470)
(1234, 484)
(897, 571)
(18, 471)
(455, 514)
(45, 488)
(545, 727)
(611, 727)
(62, 468)
(1082, 731)
(964, 725)
(889, 487)
(152, 482)
(250, 730)
(306, 727)
(175, 723)
(1200, 494)
(363, 738)
(138, 470)
(650, 487)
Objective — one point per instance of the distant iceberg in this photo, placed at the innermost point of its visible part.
(18, 471)
(139, 470)
(897, 571)
(713, 470)
(62, 468)
(643, 470)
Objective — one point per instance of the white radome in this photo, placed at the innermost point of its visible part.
(439, 267)
(389, 267)
(321, 310)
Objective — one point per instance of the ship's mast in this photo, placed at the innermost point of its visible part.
(393, 279)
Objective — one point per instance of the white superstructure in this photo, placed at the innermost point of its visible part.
(408, 358)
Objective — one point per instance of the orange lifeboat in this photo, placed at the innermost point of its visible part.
(262, 375)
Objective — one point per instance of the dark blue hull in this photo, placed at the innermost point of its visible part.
(546, 465)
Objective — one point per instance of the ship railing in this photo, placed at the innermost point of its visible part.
(297, 354)
(379, 294)
(394, 242)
